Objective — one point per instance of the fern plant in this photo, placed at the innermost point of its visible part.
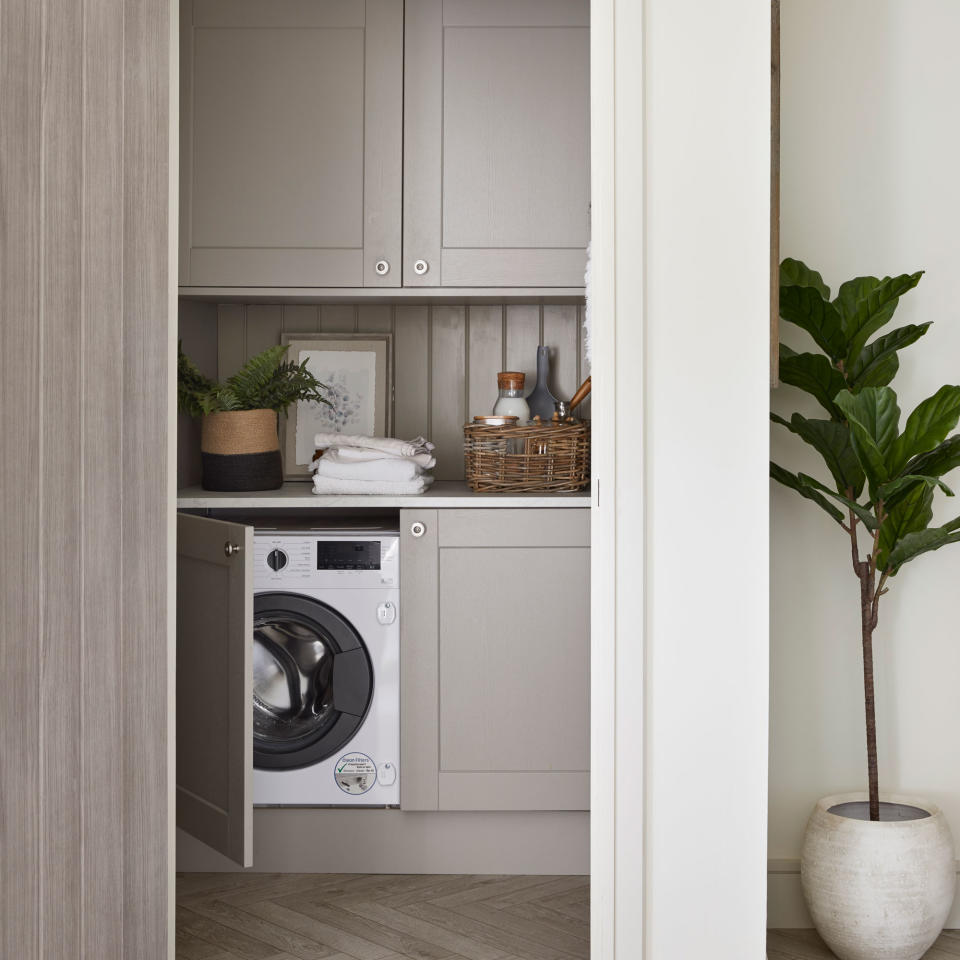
(861, 443)
(264, 382)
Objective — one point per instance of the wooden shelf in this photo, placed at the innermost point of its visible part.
(411, 295)
(300, 496)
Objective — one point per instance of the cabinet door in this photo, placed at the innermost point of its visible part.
(496, 660)
(215, 684)
(496, 142)
(291, 142)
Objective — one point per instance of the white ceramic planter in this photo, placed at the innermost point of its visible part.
(878, 891)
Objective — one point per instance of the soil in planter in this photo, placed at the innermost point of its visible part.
(889, 812)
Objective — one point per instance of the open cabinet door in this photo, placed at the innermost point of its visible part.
(215, 684)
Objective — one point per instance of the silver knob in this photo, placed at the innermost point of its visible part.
(382, 267)
(417, 529)
(229, 549)
(420, 267)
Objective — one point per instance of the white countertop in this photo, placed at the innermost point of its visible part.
(443, 493)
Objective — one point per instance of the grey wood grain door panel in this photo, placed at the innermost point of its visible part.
(291, 118)
(85, 353)
(215, 685)
(496, 143)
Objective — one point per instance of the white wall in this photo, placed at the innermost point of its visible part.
(870, 185)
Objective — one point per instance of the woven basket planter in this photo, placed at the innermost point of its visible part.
(240, 451)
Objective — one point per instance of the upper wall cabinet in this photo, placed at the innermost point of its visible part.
(496, 143)
(319, 134)
(291, 140)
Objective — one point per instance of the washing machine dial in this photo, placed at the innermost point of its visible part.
(277, 559)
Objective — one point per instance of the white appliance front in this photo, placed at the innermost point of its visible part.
(326, 668)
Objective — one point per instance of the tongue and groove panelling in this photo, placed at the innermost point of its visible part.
(446, 357)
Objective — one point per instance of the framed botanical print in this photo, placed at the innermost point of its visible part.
(357, 371)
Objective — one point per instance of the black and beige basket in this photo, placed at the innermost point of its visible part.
(240, 451)
(524, 459)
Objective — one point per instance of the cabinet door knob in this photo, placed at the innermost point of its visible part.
(420, 267)
(382, 267)
(229, 549)
(417, 529)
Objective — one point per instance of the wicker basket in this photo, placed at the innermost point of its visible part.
(549, 456)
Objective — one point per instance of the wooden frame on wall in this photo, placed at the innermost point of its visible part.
(774, 193)
(380, 345)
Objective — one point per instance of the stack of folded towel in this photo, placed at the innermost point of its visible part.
(374, 465)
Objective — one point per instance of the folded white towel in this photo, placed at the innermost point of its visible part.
(330, 485)
(359, 455)
(399, 448)
(394, 468)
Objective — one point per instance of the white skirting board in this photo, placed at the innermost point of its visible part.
(786, 909)
(297, 840)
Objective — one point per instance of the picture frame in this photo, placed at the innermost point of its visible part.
(357, 369)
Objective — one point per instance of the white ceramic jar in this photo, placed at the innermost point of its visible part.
(511, 402)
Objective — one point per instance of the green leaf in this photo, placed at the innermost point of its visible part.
(864, 513)
(877, 363)
(926, 427)
(940, 460)
(805, 307)
(874, 418)
(875, 309)
(792, 481)
(914, 512)
(850, 294)
(832, 441)
(893, 492)
(795, 273)
(814, 374)
(915, 544)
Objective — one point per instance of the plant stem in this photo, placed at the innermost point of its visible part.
(869, 601)
(868, 622)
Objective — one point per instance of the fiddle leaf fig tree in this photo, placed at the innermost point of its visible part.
(882, 480)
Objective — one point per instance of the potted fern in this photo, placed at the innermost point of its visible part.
(877, 871)
(239, 446)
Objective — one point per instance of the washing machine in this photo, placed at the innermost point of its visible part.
(326, 667)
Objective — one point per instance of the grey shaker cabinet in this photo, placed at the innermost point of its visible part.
(495, 659)
(446, 139)
(215, 684)
(496, 184)
(291, 140)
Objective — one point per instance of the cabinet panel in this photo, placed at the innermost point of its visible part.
(514, 661)
(496, 141)
(215, 684)
(292, 142)
(419, 663)
(495, 659)
(545, 527)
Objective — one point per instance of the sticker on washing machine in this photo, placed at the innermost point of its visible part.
(355, 773)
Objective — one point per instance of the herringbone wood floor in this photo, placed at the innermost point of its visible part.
(259, 916)
(806, 945)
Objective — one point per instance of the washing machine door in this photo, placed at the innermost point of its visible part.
(312, 681)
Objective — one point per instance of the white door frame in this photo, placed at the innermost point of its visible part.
(680, 127)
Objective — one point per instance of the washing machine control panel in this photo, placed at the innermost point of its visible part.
(328, 560)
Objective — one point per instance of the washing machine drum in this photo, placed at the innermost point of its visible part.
(312, 681)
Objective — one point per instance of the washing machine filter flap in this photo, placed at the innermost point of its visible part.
(313, 681)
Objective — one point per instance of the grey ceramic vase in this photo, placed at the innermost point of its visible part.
(541, 401)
